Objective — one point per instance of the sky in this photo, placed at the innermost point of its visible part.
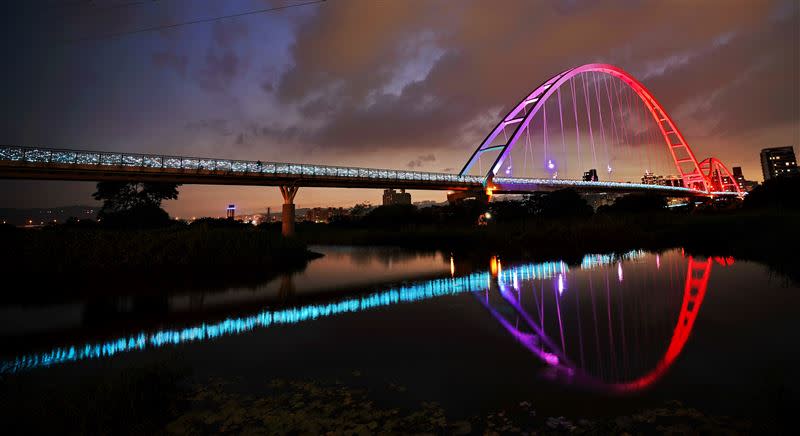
(381, 83)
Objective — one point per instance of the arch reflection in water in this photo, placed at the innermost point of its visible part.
(609, 333)
(476, 282)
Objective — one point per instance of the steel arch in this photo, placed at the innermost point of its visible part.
(521, 116)
(716, 173)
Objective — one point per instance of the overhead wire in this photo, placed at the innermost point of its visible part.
(188, 23)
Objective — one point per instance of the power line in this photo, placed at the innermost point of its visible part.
(187, 23)
(93, 7)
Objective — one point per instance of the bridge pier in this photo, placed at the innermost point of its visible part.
(288, 215)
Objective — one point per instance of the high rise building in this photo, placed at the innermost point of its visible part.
(672, 181)
(590, 176)
(651, 179)
(230, 212)
(391, 197)
(778, 162)
(744, 184)
(738, 176)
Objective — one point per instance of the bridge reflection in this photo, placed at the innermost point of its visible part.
(498, 288)
(587, 345)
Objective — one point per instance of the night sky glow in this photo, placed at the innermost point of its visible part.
(395, 84)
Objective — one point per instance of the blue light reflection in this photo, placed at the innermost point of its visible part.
(479, 281)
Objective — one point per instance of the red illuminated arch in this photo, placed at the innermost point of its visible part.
(523, 113)
(718, 176)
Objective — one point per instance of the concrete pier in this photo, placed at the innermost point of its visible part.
(288, 214)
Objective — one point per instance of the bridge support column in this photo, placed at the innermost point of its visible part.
(287, 215)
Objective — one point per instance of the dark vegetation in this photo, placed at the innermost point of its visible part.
(135, 238)
(161, 399)
(129, 402)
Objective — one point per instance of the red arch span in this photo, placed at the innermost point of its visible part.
(718, 176)
(522, 114)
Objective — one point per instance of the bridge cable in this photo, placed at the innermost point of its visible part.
(577, 131)
(563, 143)
(544, 137)
(589, 116)
(614, 134)
(602, 126)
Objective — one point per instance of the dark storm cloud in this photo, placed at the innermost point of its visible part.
(221, 67)
(226, 33)
(685, 52)
(219, 127)
(171, 61)
(421, 160)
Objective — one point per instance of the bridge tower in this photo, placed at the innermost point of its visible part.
(288, 215)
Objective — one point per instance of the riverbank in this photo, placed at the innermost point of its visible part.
(170, 257)
(163, 399)
(768, 236)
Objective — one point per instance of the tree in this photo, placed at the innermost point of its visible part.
(134, 203)
(637, 203)
(779, 193)
(564, 203)
(395, 215)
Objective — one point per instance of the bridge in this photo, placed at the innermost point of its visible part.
(629, 119)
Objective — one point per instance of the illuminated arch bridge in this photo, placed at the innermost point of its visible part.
(591, 128)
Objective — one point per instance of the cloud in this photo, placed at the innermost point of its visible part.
(171, 61)
(420, 160)
(217, 126)
(220, 69)
(226, 33)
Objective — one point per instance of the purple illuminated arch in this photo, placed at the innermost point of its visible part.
(523, 113)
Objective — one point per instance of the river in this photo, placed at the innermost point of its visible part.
(606, 335)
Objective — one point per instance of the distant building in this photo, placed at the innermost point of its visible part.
(590, 176)
(744, 184)
(672, 181)
(778, 162)
(738, 176)
(230, 212)
(651, 179)
(324, 214)
(254, 219)
(391, 197)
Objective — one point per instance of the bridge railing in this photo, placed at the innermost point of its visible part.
(36, 155)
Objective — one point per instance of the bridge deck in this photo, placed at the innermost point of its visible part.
(18, 162)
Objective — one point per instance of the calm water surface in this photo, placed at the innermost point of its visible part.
(609, 333)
